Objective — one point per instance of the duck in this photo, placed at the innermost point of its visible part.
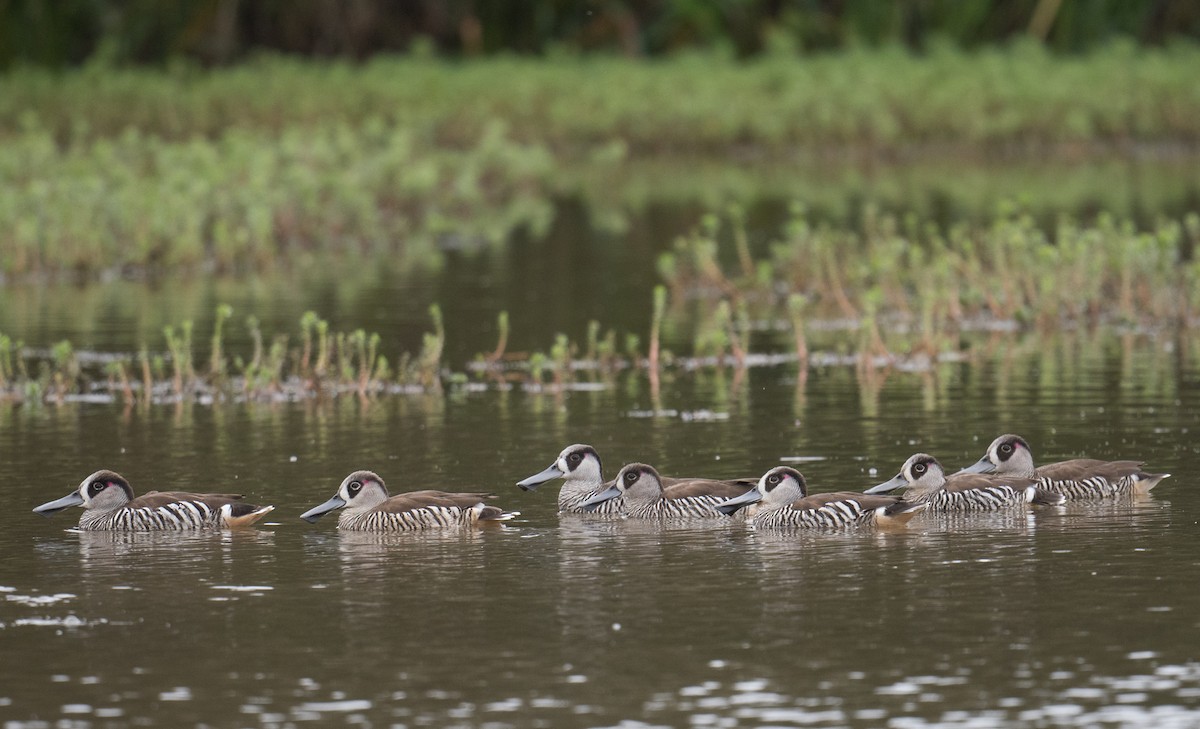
(109, 505)
(1079, 478)
(645, 497)
(927, 482)
(580, 469)
(369, 507)
(783, 502)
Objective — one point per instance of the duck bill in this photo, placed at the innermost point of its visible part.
(607, 494)
(732, 506)
(317, 512)
(892, 484)
(983, 465)
(537, 479)
(66, 502)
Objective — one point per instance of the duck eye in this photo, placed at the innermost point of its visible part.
(575, 458)
(773, 478)
(919, 468)
(631, 476)
(98, 486)
(354, 487)
(1006, 448)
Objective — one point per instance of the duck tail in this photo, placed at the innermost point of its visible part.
(1147, 481)
(491, 513)
(899, 513)
(243, 515)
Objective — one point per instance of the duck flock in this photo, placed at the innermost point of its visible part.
(1004, 478)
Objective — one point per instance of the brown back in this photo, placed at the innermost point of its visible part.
(867, 501)
(970, 481)
(1081, 468)
(686, 488)
(412, 500)
(156, 499)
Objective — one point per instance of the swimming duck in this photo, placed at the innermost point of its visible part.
(109, 505)
(782, 496)
(645, 496)
(583, 478)
(370, 508)
(1080, 478)
(927, 482)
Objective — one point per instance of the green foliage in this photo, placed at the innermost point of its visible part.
(913, 276)
(426, 370)
(244, 167)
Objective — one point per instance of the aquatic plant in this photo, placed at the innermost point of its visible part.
(217, 365)
(502, 342)
(426, 370)
(900, 276)
(179, 346)
(660, 306)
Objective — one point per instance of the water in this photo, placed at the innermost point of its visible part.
(1075, 617)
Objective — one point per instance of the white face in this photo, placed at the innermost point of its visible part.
(362, 489)
(782, 485)
(639, 481)
(923, 469)
(580, 463)
(104, 491)
(1010, 453)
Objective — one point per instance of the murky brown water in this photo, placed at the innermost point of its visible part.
(1084, 616)
(1075, 617)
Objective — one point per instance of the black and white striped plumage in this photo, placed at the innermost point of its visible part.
(1080, 478)
(109, 505)
(927, 482)
(583, 480)
(368, 507)
(784, 503)
(645, 497)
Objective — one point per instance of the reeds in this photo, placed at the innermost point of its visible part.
(907, 279)
(898, 292)
(326, 363)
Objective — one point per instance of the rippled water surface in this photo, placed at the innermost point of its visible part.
(1083, 616)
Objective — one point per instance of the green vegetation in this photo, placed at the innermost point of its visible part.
(903, 295)
(876, 101)
(253, 166)
(246, 200)
(326, 364)
(904, 278)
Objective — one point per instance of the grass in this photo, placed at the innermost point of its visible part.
(326, 363)
(253, 166)
(872, 99)
(921, 276)
(245, 202)
(916, 321)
